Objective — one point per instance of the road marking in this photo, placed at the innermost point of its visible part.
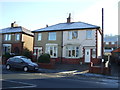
(31, 85)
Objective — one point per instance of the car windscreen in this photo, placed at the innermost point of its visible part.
(26, 60)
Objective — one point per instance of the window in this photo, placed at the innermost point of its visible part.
(52, 50)
(6, 48)
(72, 51)
(39, 36)
(72, 34)
(17, 37)
(107, 43)
(89, 34)
(112, 42)
(52, 36)
(93, 53)
(7, 37)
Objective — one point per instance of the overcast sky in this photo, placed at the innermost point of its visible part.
(35, 14)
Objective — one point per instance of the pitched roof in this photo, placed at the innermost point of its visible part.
(68, 26)
(16, 30)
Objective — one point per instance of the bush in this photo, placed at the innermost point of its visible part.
(27, 53)
(44, 58)
(8, 55)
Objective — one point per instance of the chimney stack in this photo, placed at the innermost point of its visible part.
(14, 24)
(69, 18)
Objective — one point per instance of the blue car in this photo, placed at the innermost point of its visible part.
(21, 62)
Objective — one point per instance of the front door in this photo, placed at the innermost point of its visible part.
(87, 55)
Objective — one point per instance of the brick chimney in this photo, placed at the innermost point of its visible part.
(14, 24)
(69, 18)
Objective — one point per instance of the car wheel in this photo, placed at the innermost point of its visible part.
(8, 67)
(25, 69)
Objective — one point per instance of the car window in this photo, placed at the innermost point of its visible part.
(26, 60)
(17, 60)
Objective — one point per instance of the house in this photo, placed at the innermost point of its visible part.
(70, 42)
(110, 44)
(15, 38)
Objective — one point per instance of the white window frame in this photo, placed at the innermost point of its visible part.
(51, 35)
(89, 34)
(112, 43)
(37, 51)
(52, 47)
(71, 35)
(93, 53)
(17, 37)
(7, 37)
(6, 46)
(39, 38)
(107, 43)
(70, 49)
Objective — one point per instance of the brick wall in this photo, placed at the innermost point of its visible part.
(72, 61)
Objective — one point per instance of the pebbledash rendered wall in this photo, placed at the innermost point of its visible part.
(83, 43)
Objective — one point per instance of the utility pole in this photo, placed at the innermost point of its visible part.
(102, 44)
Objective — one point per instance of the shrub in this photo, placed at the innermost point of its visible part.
(27, 53)
(8, 55)
(44, 58)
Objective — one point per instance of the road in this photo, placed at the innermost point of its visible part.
(19, 79)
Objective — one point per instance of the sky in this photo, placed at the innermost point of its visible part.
(35, 14)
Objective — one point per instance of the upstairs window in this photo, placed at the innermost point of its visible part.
(72, 35)
(89, 34)
(17, 37)
(52, 36)
(7, 37)
(39, 36)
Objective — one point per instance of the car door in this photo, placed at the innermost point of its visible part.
(18, 63)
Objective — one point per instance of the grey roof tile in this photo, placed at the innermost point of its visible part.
(68, 26)
(16, 30)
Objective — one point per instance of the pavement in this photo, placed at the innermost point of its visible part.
(78, 71)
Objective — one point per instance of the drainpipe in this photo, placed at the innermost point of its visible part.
(61, 47)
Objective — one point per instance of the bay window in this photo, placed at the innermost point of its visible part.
(72, 52)
(52, 50)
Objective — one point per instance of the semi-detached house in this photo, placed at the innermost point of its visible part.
(70, 42)
(15, 39)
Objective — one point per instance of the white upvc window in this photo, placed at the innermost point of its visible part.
(93, 53)
(6, 48)
(112, 42)
(39, 36)
(107, 43)
(89, 34)
(72, 35)
(72, 52)
(7, 37)
(52, 49)
(52, 36)
(17, 37)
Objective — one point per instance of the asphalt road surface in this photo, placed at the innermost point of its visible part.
(19, 79)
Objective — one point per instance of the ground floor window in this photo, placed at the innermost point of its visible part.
(72, 51)
(93, 53)
(6, 48)
(52, 49)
